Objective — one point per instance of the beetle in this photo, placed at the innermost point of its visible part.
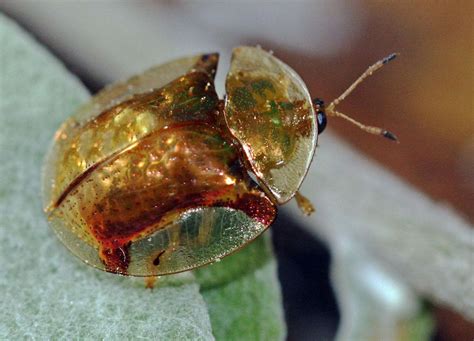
(157, 175)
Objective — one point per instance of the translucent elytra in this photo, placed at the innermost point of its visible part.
(147, 180)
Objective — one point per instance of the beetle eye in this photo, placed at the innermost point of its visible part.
(318, 105)
(322, 121)
(318, 102)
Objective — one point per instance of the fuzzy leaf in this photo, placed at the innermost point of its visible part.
(241, 292)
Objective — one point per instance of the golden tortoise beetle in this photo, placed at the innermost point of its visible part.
(152, 176)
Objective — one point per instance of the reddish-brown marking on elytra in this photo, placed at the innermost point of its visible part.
(259, 208)
(184, 166)
(117, 231)
(116, 259)
(122, 226)
(116, 236)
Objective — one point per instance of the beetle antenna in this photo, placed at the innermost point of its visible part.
(368, 129)
(331, 108)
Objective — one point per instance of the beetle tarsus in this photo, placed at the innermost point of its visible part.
(150, 282)
(304, 204)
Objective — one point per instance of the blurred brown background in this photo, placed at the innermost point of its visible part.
(425, 96)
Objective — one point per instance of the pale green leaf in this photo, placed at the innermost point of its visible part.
(241, 292)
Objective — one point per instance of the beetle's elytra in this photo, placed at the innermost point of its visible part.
(152, 176)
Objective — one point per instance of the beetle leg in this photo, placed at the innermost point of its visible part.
(304, 204)
(150, 282)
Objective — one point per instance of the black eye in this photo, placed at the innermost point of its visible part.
(318, 101)
(322, 121)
